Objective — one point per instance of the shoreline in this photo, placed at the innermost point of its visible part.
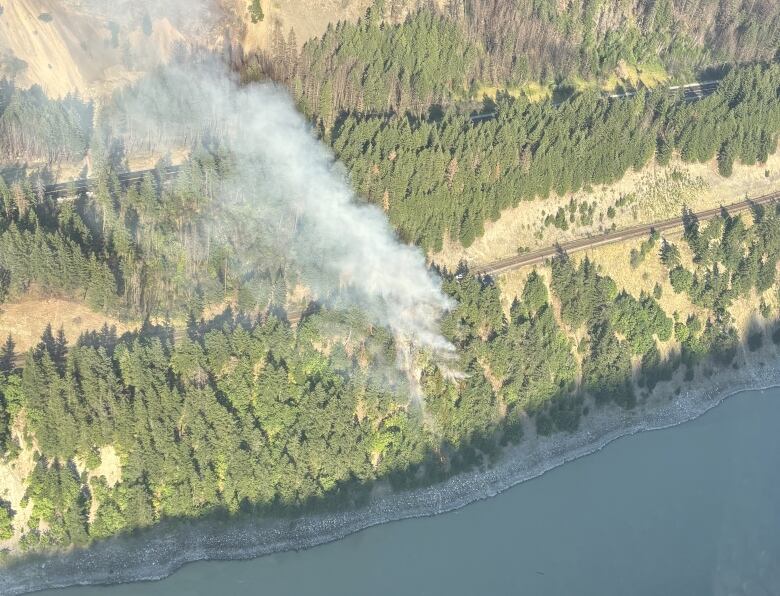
(156, 553)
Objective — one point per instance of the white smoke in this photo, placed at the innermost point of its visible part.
(335, 234)
(287, 191)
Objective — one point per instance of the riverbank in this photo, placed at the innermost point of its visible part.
(159, 552)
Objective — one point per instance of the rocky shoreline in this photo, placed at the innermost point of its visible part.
(158, 552)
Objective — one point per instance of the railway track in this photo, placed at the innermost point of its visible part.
(64, 190)
(539, 256)
(690, 92)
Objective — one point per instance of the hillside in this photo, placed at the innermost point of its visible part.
(307, 18)
(289, 320)
(585, 38)
(161, 424)
(77, 44)
(90, 47)
(524, 47)
(651, 194)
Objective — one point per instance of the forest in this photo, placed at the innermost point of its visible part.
(389, 97)
(120, 250)
(244, 412)
(34, 127)
(587, 38)
(449, 176)
(445, 175)
(233, 399)
(392, 60)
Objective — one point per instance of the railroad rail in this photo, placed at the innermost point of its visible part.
(690, 92)
(64, 190)
(539, 256)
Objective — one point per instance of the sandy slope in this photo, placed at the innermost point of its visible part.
(56, 59)
(79, 47)
(94, 45)
(26, 319)
(310, 18)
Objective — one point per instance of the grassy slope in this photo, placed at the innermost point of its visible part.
(658, 193)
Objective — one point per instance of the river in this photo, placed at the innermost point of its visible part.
(689, 510)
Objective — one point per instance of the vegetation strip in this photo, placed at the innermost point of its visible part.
(539, 256)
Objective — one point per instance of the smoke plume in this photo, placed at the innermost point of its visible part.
(345, 249)
(286, 193)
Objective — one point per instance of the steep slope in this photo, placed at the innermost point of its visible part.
(49, 51)
(90, 46)
(308, 18)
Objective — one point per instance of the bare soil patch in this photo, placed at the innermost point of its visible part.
(26, 319)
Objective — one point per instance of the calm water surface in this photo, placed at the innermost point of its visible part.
(689, 510)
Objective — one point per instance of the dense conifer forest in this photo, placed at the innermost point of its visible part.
(586, 38)
(394, 61)
(445, 175)
(256, 405)
(450, 175)
(245, 411)
(34, 127)
(121, 250)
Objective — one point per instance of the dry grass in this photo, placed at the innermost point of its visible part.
(537, 91)
(299, 295)
(309, 18)
(629, 76)
(614, 261)
(492, 91)
(15, 472)
(69, 171)
(512, 284)
(26, 319)
(74, 50)
(110, 468)
(658, 193)
(55, 59)
(13, 482)
(148, 160)
(747, 316)
(624, 77)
